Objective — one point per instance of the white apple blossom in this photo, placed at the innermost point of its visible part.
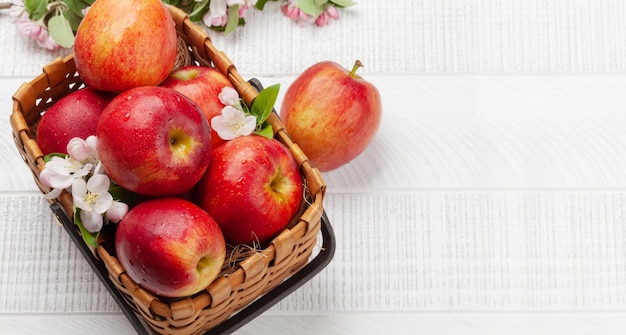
(60, 173)
(217, 14)
(83, 150)
(117, 211)
(233, 123)
(17, 9)
(94, 199)
(37, 31)
(229, 97)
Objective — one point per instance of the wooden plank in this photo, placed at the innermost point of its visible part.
(465, 132)
(434, 323)
(396, 251)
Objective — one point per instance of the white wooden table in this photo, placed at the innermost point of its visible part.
(492, 201)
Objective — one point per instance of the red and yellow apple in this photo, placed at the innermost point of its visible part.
(124, 44)
(253, 188)
(170, 246)
(332, 113)
(75, 115)
(154, 141)
(202, 85)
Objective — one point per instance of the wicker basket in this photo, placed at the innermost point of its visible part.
(256, 277)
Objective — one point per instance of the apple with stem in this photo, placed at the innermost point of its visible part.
(253, 188)
(170, 246)
(332, 113)
(154, 141)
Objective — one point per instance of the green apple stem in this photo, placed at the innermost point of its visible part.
(357, 65)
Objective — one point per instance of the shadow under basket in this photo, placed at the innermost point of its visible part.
(257, 282)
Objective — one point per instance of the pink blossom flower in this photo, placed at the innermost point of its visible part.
(330, 12)
(37, 32)
(214, 21)
(293, 11)
(217, 16)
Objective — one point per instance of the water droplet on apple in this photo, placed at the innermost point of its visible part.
(244, 161)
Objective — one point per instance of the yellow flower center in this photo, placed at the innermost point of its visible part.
(90, 198)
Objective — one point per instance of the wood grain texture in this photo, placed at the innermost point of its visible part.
(465, 132)
(397, 251)
(492, 200)
(401, 323)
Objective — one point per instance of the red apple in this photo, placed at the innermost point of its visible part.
(153, 140)
(170, 246)
(333, 114)
(253, 189)
(75, 115)
(202, 85)
(124, 44)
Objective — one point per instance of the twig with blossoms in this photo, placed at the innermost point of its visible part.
(96, 199)
(30, 26)
(239, 120)
(53, 23)
(319, 12)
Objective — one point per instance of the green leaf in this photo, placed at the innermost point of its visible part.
(320, 3)
(343, 3)
(91, 239)
(198, 10)
(261, 3)
(121, 194)
(310, 7)
(36, 9)
(48, 157)
(233, 19)
(76, 6)
(73, 19)
(266, 130)
(264, 103)
(61, 31)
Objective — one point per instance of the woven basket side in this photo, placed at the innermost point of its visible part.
(30, 101)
